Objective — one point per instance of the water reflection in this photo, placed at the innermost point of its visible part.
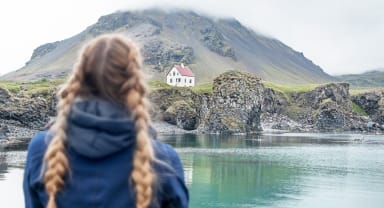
(11, 177)
(3, 165)
(227, 178)
(265, 170)
(278, 170)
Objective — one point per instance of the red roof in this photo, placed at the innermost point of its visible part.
(184, 70)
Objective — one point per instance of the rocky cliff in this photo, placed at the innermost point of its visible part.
(239, 102)
(235, 104)
(21, 116)
(373, 104)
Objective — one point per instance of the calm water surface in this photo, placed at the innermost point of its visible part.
(268, 170)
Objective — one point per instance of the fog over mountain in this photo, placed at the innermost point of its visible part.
(209, 46)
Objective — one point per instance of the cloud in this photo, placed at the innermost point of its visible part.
(340, 36)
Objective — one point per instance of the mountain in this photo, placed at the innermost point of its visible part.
(208, 46)
(372, 78)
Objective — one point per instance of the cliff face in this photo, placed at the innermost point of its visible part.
(235, 105)
(238, 103)
(373, 104)
(22, 116)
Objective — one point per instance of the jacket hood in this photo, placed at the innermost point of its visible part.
(97, 128)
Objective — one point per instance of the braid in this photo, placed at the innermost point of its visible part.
(142, 175)
(55, 158)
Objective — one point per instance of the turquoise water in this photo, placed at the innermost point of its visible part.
(269, 170)
(283, 170)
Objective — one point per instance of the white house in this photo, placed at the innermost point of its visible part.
(181, 76)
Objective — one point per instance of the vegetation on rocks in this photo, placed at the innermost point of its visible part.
(236, 102)
(40, 87)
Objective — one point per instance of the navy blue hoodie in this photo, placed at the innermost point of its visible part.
(100, 146)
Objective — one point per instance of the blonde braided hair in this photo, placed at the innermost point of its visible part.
(55, 159)
(109, 67)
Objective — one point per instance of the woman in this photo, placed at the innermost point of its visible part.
(101, 150)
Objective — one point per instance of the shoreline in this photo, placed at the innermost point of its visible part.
(19, 137)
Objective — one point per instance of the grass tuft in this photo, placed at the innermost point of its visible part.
(357, 109)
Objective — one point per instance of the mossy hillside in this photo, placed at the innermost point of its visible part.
(199, 89)
(288, 89)
(45, 85)
(357, 91)
(29, 89)
(203, 89)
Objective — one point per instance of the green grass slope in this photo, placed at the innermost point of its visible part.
(370, 79)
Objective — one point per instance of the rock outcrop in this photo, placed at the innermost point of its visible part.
(330, 117)
(214, 40)
(21, 116)
(335, 92)
(326, 108)
(164, 56)
(373, 104)
(235, 105)
(182, 115)
(177, 106)
(44, 49)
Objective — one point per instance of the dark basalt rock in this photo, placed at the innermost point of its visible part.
(330, 117)
(44, 49)
(214, 40)
(164, 56)
(373, 104)
(182, 115)
(235, 105)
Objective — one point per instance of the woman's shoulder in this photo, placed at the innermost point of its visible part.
(37, 146)
(171, 174)
(165, 151)
(167, 154)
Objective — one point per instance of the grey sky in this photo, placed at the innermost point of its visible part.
(339, 35)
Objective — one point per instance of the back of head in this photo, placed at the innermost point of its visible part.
(110, 66)
(107, 68)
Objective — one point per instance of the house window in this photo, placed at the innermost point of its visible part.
(170, 80)
(190, 80)
(185, 80)
(173, 73)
